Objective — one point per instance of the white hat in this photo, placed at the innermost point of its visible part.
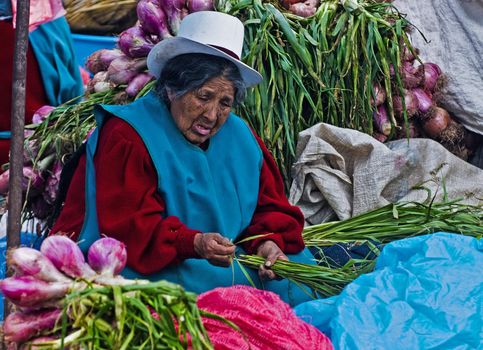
(208, 32)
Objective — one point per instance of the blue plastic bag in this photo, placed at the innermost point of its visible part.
(425, 293)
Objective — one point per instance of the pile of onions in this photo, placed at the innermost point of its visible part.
(42, 279)
(417, 111)
(126, 65)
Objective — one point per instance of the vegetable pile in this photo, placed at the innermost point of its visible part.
(64, 301)
(348, 63)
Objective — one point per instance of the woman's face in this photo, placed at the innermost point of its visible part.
(199, 114)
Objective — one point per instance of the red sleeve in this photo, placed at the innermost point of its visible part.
(274, 214)
(128, 206)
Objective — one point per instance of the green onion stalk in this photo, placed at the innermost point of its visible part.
(318, 69)
(317, 281)
(156, 315)
(397, 221)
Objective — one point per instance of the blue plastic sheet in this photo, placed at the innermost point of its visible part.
(425, 293)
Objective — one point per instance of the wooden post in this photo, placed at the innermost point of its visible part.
(15, 201)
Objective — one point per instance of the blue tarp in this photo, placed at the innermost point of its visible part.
(425, 293)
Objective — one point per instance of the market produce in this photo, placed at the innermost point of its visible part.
(350, 64)
(319, 281)
(54, 311)
(398, 221)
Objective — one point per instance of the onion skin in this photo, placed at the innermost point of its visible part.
(199, 5)
(382, 121)
(20, 327)
(431, 74)
(31, 262)
(435, 122)
(138, 82)
(173, 9)
(101, 59)
(66, 256)
(410, 102)
(41, 114)
(107, 256)
(411, 77)
(423, 100)
(380, 94)
(134, 42)
(27, 291)
(152, 18)
(304, 9)
(122, 70)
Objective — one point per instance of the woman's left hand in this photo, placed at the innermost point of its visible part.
(270, 251)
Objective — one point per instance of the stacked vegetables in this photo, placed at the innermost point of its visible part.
(62, 300)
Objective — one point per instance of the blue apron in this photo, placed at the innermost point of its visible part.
(212, 191)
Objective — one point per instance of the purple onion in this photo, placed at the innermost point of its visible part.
(199, 5)
(152, 18)
(41, 114)
(431, 74)
(66, 256)
(31, 262)
(107, 256)
(4, 181)
(134, 42)
(409, 56)
(424, 100)
(304, 9)
(138, 82)
(382, 121)
(27, 291)
(410, 102)
(20, 327)
(101, 59)
(411, 77)
(122, 70)
(380, 95)
(173, 10)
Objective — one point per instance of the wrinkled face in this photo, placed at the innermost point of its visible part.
(199, 114)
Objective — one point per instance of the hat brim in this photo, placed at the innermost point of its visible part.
(168, 48)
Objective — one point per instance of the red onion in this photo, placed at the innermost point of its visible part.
(101, 59)
(304, 9)
(380, 94)
(435, 122)
(27, 291)
(410, 102)
(20, 327)
(382, 121)
(152, 18)
(173, 9)
(138, 82)
(431, 74)
(379, 137)
(424, 101)
(122, 70)
(41, 114)
(411, 77)
(107, 256)
(134, 42)
(29, 176)
(199, 5)
(66, 256)
(31, 262)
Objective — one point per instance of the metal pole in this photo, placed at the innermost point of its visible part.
(17, 123)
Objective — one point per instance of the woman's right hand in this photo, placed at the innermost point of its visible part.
(215, 248)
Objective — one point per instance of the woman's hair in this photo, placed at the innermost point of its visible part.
(188, 72)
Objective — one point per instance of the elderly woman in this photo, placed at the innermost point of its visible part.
(178, 178)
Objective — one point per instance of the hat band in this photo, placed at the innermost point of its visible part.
(228, 52)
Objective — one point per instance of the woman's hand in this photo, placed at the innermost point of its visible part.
(215, 248)
(270, 251)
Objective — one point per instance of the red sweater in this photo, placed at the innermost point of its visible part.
(130, 209)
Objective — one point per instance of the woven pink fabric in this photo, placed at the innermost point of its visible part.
(266, 321)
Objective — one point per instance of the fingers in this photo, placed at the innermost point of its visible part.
(215, 248)
(265, 273)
